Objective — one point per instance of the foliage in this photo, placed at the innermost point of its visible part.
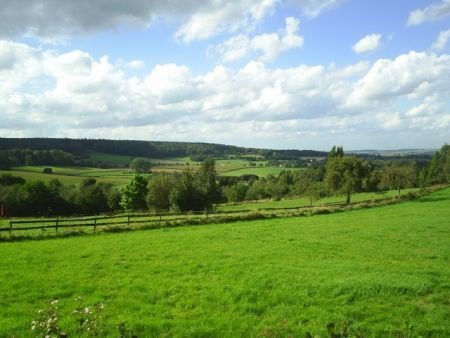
(186, 194)
(344, 174)
(8, 179)
(398, 177)
(140, 165)
(207, 181)
(87, 319)
(47, 323)
(159, 188)
(439, 168)
(133, 195)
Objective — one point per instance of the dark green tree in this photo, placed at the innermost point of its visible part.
(186, 195)
(345, 174)
(438, 171)
(92, 199)
(207, 183)
(398, 177)
(141, 165)
(159, 188)
(133, 195)
(235, 192)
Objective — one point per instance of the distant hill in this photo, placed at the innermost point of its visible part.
(152, 149)
(396, 152)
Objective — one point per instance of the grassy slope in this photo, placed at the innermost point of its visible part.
(382, 270)
(304, 202)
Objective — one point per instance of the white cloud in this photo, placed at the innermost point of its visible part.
(367, 44)
(53, 20)
(433, 12)
(313, 8)
(46, 93)
(135, 64)
(441, 41)
(266, 46)
(223, 16)
(408, 74)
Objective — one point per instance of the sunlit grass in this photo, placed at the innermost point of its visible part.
(381, 271)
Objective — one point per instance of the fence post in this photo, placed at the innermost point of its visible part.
(10, 227)
(95, 223)
(57, 220)
(128, 220)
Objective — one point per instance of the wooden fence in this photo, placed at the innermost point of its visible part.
(151, 219)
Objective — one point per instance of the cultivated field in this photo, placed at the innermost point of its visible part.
(373, 272)
(121, 176)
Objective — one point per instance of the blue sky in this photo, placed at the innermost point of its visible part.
(267, 73)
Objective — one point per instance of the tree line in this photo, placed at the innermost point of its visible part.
(202, 190)
(153, 149)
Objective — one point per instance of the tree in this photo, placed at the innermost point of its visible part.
(398, 177)
(134, 193)
(141, 165)
(8, 179)
(235, 192)
(345, 174)
(159, 188)
(92, 199)
(186, 195)
(439, 168)
(206, 180)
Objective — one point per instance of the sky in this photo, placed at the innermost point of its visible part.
(282, 74)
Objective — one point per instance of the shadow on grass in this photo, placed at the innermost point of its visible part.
(434, 198)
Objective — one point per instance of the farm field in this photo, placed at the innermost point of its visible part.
(371, 272)
(71, 175)
(120, 176)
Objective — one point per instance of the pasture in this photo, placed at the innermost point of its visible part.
(305, 202)
(372, 272)
(121, 176)
(258, 171)
(71, 175)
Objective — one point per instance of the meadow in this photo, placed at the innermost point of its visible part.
(71, 175)
(121, 176)
(371, 272)
(305, 202)
(258, 171)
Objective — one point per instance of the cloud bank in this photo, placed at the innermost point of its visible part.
(265, 47)
(433, 12)
(198, 20)
(43, 92)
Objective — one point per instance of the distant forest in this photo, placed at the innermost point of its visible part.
(81, 148)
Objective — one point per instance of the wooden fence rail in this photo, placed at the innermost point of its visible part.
(143, 218)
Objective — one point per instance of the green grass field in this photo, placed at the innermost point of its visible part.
(111, 158)
(71, 175)
(304, 202)
(74, 175)
(258, 171)
(373, 272)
